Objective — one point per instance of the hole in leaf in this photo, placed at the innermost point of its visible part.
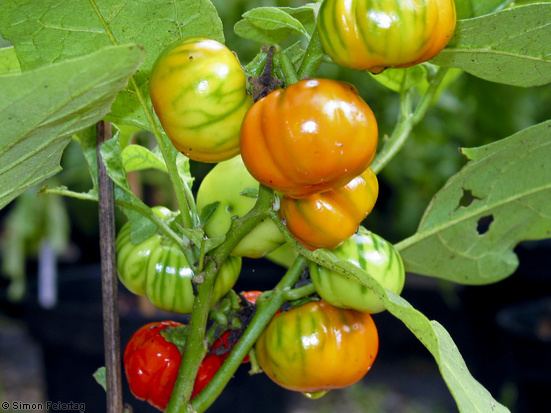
(468, 198)
(483, 225)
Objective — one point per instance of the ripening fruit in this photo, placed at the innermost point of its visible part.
(377, 257)
(317, 347)
(198, 90)
(376, 34)
(157, 269)
(310, 137)
(326, 219)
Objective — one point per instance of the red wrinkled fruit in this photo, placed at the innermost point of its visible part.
(151, 365)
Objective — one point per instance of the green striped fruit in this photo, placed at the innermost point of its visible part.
(372, 254)
(232, 186)
(157, 269)
(198, 90)
(376, 34)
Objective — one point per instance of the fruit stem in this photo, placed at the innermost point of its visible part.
(407, 121)
(195, 348)
(266, 309)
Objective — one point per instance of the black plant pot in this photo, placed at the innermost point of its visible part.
(527, 339)
(71, 337)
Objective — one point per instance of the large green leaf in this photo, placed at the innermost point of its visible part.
(473, 8)
(469, 394)
(511, 47)
(41, 109)
(501, 197)
(276, 24)
(49, 31)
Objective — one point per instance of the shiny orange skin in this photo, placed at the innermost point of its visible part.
(376, 34)
(310, 137)
(318, 347)
(326, 219)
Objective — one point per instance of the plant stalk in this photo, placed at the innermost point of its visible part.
(265, 312)
(183, 192)
(109, 292)
(195, 348)
(407, 121)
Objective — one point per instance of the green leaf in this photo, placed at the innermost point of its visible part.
(274, 25)
(250, 192)
(138, 158)
(99, 376)
(469, 394)
(141, 228)
(184, 169)
(511, 47)
(393, 79)
(87, 141)
(500, 198)
(208, 211)
(472, 8)
(272, 19)
(8, 61)
(41, 109)
(48, 31)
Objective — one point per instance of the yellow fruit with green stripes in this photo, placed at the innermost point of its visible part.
(376, 34)
(198, 90)
(377, 257)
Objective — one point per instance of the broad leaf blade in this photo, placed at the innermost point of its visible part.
(473, 8)
(500, 198)
(276, 24)
(511, 47)
(137, 158)
(273, 18)
(49, 31)
(41, 109)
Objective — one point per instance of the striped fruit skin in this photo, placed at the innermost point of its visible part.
(317, 347)
(157, 269)
(198, 90)
(376, 34)
(310, 137)
(371, 253)
(326, 219)
(227, 184)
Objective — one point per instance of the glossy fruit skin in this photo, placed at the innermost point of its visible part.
(198, 90)
(373, 254)
(228, 183)
(310, 137)
(326, 219)
(376, 34)
(151, 365)
(157, 269)
(317, 347)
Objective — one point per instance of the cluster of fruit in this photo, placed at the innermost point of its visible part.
(312, 142)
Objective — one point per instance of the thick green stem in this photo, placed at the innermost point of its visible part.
(406, 121)
(312, 57)
(300, 292)
(184, 197)
(265, 311)
(195, 347)
(283, 61)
